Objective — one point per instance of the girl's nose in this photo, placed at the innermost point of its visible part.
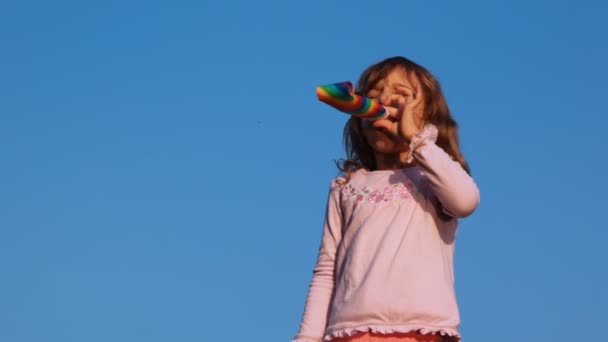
(384, 95)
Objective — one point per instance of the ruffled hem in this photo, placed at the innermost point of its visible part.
(381, 329)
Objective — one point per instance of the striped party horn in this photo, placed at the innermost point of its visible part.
(342, 97)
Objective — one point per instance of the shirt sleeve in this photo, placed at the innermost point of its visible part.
(320, 292)
(451, 184)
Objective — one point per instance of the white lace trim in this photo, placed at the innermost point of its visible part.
(405, 328)
(427, 134)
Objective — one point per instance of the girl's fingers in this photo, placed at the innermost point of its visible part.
(413, 100)
(393, 112)
(401, 106)
(393, 104)
(409, 94)
(407, 123)
(391, 100)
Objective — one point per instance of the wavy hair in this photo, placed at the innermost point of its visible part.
(359, 154)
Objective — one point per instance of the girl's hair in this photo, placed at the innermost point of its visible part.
(359, 154)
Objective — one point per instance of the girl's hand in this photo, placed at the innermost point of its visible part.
(405, 116)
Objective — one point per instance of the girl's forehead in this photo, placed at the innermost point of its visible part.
(379, 75)
(397, 75)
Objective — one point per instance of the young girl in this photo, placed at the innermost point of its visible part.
(384, 270)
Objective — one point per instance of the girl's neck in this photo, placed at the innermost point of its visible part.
(392, 161)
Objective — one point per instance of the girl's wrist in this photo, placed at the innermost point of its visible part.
(428, 134)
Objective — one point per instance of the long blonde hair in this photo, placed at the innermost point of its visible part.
(359, 154)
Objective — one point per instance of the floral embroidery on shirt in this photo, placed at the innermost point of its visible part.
(391, 193)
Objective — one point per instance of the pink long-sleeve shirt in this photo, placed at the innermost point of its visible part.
(385, 262)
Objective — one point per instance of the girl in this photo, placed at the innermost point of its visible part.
(384, 270)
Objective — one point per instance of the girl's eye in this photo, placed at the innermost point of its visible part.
(373, 94)
(396, 91)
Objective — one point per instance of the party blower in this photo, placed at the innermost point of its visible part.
(342, 97)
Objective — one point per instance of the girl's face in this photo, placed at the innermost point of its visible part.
(386, 92)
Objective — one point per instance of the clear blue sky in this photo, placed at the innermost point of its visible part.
(164, 165)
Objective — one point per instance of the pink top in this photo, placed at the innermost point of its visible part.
(385, 262)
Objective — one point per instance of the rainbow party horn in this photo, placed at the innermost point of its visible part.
(342, 97)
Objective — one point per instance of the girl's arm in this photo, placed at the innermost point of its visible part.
(454, 188)
(316, 310)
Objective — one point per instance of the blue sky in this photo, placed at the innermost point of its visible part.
(165, 165)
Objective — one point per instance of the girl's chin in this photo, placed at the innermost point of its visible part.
(384, 142)
(389, 147)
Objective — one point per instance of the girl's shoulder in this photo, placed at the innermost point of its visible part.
(344, 179)
(338, 182)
